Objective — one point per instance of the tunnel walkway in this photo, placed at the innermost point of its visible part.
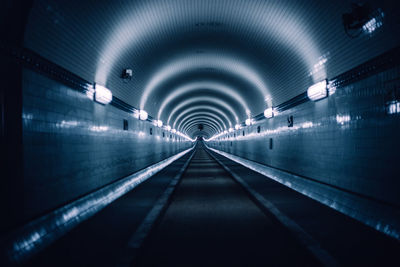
(211, 221)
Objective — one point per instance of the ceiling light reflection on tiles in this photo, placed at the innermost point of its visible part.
(207, 99)
(90, 91)
(318, 71)
(342, 119)
(226, 63)
(374, 23)
(393, 107)
(206, 86)
(67, 124)
(267, 132)
(98, 128)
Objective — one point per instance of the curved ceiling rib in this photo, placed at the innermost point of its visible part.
(209, 120)
(194, 129)
(150, 17)
(204, 87)
(200, 99)
(196, 108)
(248, 54)
(210, 106)
(228, 64)
(213, 120)
(206, 129)
(205, 115)
(196, 122)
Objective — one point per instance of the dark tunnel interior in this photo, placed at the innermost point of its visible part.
(200, 133)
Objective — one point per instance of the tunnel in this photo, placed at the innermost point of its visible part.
(200, 133)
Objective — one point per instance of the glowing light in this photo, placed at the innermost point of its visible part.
(209, 122)
(317, 91)
(90, 92)
(158, 123)
(225, 132)
(197, 99)
(269, 131)
(269, 113)
(237, 126)
(136, 114)
(320, 66)
(201, 107)
(248, 122)
(227, 63)
(331, 88)
(342, 119)
(308, 124)
(67, 124)
(102, 94)
(230, 130)
(374, 23)
(143, 115)
(98, 128)
(203, 87)
(27, 116)
(289, 31)
(173, 131)
(141, 134)
(201, 114)
(394, 107)
(168, 128)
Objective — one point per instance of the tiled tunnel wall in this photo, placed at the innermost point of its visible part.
(73, 145)
(349, 140)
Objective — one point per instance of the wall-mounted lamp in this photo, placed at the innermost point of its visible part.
(237, 126)
(269, 113)
(102, 94)
(143, 115)
(168, 128)
(248, 122)
(318, 91)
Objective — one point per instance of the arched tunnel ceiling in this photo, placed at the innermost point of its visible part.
(237, 57)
